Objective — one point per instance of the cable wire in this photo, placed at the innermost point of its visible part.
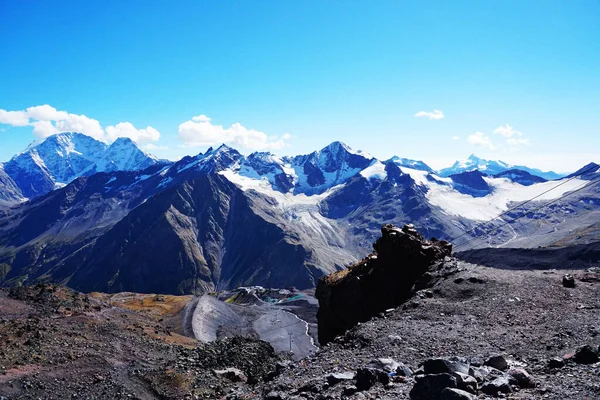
(578, 189)
(527, 201)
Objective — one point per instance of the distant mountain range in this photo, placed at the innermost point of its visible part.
(112, 218)
(489, 167)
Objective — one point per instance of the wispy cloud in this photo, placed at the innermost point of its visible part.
(47, 121)
(200, 131)
(480, 139)
(513, 137)
(507, 131)
(517, 141)
(455, 137)
(435, 114)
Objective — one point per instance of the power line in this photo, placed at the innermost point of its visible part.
(527, 201)
(580, 188)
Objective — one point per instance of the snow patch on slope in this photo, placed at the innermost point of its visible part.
(504, 192)
(374, 171)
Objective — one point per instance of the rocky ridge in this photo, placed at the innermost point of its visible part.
(384, 279)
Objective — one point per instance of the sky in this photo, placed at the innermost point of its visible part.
(437, 81)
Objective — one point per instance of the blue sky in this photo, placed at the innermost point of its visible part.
(514, 80)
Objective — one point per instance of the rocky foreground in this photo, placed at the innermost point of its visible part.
(457, 331)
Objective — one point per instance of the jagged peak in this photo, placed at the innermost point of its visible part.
(336, 146)
(124, 140)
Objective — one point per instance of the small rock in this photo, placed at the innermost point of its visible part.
(275, 396)
(498, 385)
(455, 394)
(403, 370)
(233, 374)
(367, 377)
(522, 377)
(466, 382)
(444, 366)
(395, 338)
(477, 361)
(338, 377)
(387, 365)
(429, 387)
(498, 362)
(556, 363)
(568, 281)
(586, 355)
(312, 387)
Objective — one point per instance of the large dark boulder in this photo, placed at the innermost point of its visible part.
(380, 281)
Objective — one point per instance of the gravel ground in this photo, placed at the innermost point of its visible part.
(59, 344)
(527, 316)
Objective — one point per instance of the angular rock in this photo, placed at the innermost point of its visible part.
(376, 284)
(387, 365)
(403, 370)
(466, 382)
(367, 377)
(556, 363)
(443, 365)
(586, 355)
(233, 374)
(456, 394)
(390, 367)
(337, 377)
(430, 387)
(568, 281)
(498, 362)
(275, 396)
(498, 385)
(522, 377)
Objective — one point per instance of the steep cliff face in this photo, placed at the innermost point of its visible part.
(384, 279)
(9, 191)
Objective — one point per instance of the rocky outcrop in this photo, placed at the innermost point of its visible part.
(401, 260)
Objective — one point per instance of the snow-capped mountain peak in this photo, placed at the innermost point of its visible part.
(63, 157)
(492, 167)
(409, 163)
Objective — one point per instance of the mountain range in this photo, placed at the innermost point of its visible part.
(112, 218)
(60, 159)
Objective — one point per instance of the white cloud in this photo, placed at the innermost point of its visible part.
(201, 118)
(199, 131)
(47, 120)
(126, 129)
(455, 137)
(513, 136)
(480, 139)
(517, 141)
(14, 118)
(507, 131)
(435, 114)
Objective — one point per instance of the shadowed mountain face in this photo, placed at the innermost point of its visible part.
(193, 237)
(9, 191)
(519, 176)
(471, 183)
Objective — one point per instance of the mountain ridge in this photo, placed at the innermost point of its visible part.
(219, 219)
